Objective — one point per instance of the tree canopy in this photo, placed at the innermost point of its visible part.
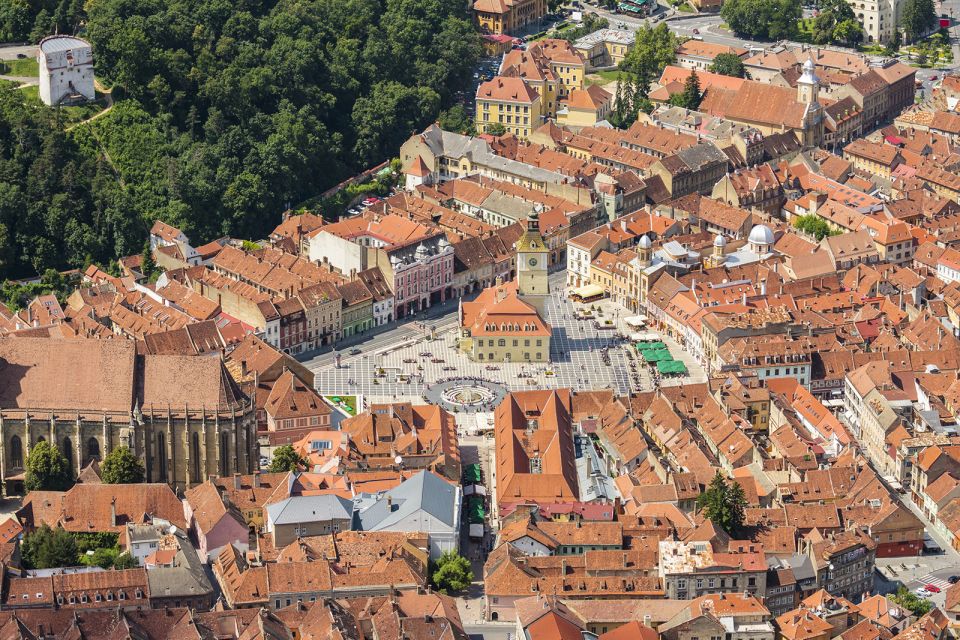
(814, 225)
(47, 469)
(763, 19)
(652, 51)
(728, 64)
(915, 604)
(47, 548)
(724, 503)
(225, 114)
(285, 459)
(452, 573)
(122, 467)
(917, 18)
(836, 23)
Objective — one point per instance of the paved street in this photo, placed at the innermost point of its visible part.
(403, 362)
(12, 51)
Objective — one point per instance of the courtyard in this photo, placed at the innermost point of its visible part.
(585, 354)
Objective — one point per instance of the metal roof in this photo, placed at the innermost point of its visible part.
(52, 44)
(297, 509)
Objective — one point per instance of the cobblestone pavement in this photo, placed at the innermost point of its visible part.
(410, 365)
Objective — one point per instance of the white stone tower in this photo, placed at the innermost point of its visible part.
(66, 70)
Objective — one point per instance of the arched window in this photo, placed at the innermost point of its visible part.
(162, 456)
(93, 448)
(224, 454)
(196, 458)
(68, 452)
(16, 452)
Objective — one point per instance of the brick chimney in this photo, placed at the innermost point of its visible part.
(256, 479)
(113, 511)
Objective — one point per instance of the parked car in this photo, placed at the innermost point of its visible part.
(696, 32)
(21, 56)
(953, 579)
(932, 588)
(355, 351)
(923, 593)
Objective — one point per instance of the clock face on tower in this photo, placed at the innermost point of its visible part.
(533, 262)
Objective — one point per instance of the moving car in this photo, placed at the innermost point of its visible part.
(355, 351)
(932, 588)
(953, 579)
(923, 593)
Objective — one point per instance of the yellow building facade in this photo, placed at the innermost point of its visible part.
(508, 16)
(505, 323)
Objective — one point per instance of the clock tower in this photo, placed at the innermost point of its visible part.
(532, 255)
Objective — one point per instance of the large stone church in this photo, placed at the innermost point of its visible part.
(507, 322)
(184, 416)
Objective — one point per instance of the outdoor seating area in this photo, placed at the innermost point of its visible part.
(656, 354)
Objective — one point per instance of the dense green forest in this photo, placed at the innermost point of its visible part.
(225, 113)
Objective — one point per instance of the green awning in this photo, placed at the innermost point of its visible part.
(471, 473)
(671, 366)
(656, 355)
(475, 512)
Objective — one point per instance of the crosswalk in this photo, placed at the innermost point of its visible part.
(922, 581)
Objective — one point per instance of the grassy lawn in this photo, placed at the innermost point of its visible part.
(32, 93)
(603, 77)
(25, 67)
(347, 403)
(685, 8)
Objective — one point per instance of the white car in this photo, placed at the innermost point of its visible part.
(923, 593)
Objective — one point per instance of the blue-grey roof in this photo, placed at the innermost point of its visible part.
(296, 509)
(425, 491)
(51, 44)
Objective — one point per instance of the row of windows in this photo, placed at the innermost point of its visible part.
(84, 598)
(502, 343)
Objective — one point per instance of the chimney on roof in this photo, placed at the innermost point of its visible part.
(236, 481)
(113, 511)
(256, 479)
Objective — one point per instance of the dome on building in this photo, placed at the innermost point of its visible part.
(809, 75)
(719, 241)
(761, 235)
(644, 242)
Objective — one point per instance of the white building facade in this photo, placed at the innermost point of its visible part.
(66, 70)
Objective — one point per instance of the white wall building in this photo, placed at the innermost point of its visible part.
(66, 70)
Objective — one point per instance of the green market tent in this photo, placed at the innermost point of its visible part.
(671, 367)
(475, 512)
(471, 474)
(656, 355)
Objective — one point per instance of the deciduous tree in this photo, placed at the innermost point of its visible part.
(122, 467)
(728, 64)
(47, 548)
(47, 469)
(285, 459)
(451, 573)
